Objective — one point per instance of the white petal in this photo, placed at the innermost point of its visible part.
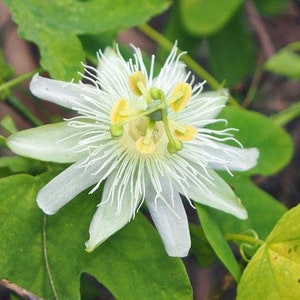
(60, 92)
(106, 221)
(113, 73)
(169, 217)
(65, 186)
(48, 143)
(107, 59)
(232, 158)
(216, 194)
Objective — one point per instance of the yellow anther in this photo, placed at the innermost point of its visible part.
(119, 112)
(185, 133)
(137, 83)
(145, 145)
(181, 95)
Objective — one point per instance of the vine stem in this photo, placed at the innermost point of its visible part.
(19, 79)
(190, 62)
(243, 238)
(47, 260)
(20, 291)
(255, 82)
(287, 115)
(23, 110)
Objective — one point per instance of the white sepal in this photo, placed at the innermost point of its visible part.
(52, 142)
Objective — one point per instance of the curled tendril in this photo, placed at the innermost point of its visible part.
(248, 245)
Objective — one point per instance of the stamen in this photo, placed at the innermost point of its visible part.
(185, 132)
(174, 145)
(137, 83)
(138, 115)
(145, 144)
(119, 112)
(182, 93)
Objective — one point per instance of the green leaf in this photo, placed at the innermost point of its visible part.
(88, 16)
(217, 241)
(2, 140)
(175, 31)
(132, 264)
(20, 230)
(272, 8)
(6, 70)
(62, 58)
(255, 130)
(135, 250)
(273, 273)
(16, 164)
(202, 17)
(93, 42)
(285, 62)
(55, 26)
(201, 248)
(231, 51)
(8, 124)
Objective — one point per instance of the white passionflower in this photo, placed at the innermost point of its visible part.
(144, 135)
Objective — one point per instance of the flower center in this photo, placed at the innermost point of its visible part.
(147, 127)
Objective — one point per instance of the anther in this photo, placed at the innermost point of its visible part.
(119, 112)
(145, 144)
(185, 132)
(137, 83)
(182, 94)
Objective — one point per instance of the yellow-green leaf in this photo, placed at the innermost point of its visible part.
(274, 271)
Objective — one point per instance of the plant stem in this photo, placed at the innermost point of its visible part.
(287, 115)
(243, 238)
(19, 79)
(22, 109)
(19, 291)
(190, 62)
(255, 82)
